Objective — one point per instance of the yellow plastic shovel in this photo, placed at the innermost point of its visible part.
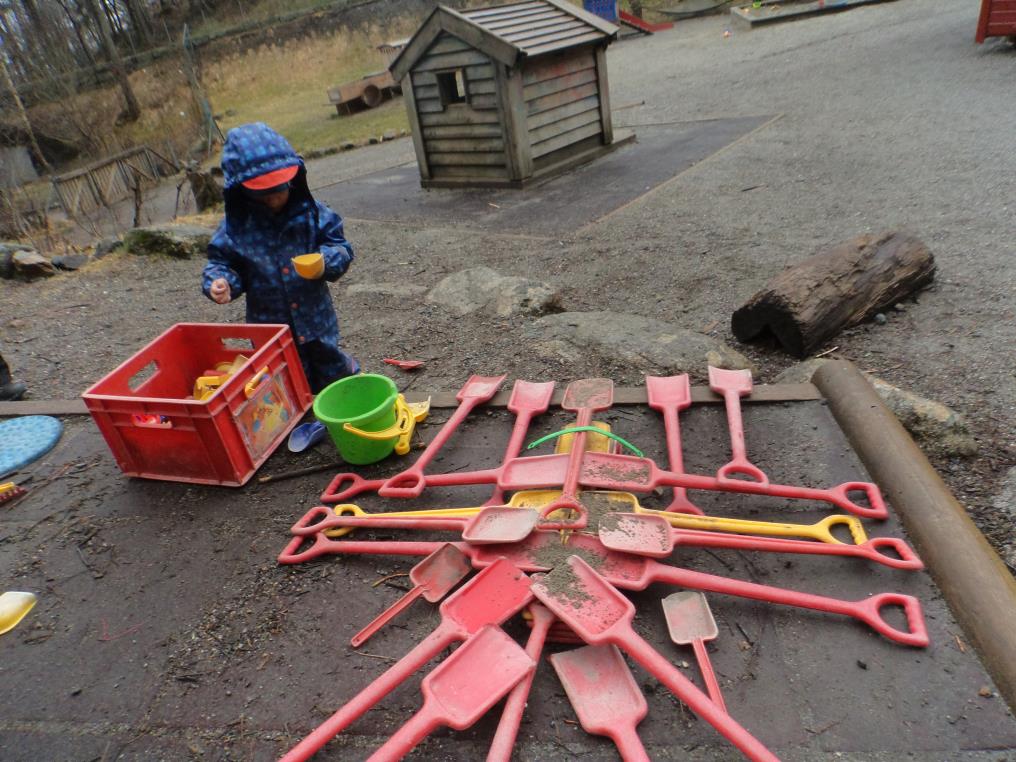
(13, 608)
(821, 531)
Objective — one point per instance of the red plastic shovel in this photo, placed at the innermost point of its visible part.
(491, 597)
(584, 398)
(604, 695)
(670, 395)
(732, 385)
(651, 535)
(627, 473)
(599, 614)
(432, 578)
(462, 689)
(410, 483)
(511, 717)
(493, 524)
(689, 620)
(527, 401)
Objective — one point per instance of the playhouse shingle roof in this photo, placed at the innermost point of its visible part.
(510, 32)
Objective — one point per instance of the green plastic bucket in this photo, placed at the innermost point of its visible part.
(365, 401)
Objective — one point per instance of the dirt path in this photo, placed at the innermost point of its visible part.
(891, 118)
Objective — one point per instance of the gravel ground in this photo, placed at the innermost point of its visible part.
(891, 117)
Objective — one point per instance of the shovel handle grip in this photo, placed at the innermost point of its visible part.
(735, 468)
(405, 739)
(335, 492)
(916, 634)
(876, 508)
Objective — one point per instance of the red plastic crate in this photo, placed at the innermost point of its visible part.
(155, 432)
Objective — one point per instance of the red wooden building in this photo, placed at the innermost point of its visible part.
(998, 19)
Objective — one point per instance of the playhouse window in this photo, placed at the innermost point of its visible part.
(451, 86)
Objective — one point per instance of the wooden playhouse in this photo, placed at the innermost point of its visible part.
(504, 95)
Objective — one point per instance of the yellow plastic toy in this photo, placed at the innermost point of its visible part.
(309, 266)
(407, 415)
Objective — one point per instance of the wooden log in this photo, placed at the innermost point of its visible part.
(814, 300)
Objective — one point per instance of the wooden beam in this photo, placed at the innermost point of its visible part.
(601, 78)
(511, 107)
(415, 128)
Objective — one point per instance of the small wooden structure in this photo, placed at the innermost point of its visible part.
(504, 95)
(369, 91)
(997, 19)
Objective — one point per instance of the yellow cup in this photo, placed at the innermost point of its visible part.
(310, 266)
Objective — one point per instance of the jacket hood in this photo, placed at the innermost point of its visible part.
(252, 150)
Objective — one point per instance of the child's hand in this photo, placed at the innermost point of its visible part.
(219, 291)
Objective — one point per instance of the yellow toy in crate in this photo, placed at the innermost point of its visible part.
(207, 385)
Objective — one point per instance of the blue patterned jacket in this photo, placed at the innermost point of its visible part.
(252, 248)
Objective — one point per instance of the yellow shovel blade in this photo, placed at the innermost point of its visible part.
(13, 608)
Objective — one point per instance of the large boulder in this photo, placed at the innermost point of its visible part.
(180, 241)
(649, 345)
(31, 265)
(481, 288)
(7, 251)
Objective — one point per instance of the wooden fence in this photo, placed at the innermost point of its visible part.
(111, 180)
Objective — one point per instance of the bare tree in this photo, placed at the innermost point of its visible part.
(20, 107)
(132, 110)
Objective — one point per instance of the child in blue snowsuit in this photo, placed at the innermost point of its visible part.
(270, 218)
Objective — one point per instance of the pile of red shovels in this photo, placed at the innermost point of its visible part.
(553, 555)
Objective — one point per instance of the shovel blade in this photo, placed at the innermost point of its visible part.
(721, 380)
(491, 597)
(600, 687)
(588, 394)
(640, 533)
(439, 572)
(498, 524)
(531, 397)
(584, 601)
(480, 388)
(688, 617)
(668, 391)
(468, 683)
(14, 606)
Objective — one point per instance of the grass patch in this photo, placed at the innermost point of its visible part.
(287, 87)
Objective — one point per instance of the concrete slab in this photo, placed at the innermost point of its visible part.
(561, 205)
(164, 605)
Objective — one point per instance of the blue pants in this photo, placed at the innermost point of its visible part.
(323, 362)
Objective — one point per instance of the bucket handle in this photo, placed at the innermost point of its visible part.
(403, 417)
(251, 386)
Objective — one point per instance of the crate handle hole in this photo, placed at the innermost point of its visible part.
(136, 381)
(152, 421)
(237, 345)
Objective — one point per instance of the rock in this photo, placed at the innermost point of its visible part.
(206, 189)
(800, 373)
(481, 288)
(347, 145)
(401, 290)
(881, 319)
(7, 251)
(390, 134)
(106, 246)
(1005, 503)
(180, 241)
(643, 342)
(70, 262)
(934, 426)
(31, 265)
(374, 140)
